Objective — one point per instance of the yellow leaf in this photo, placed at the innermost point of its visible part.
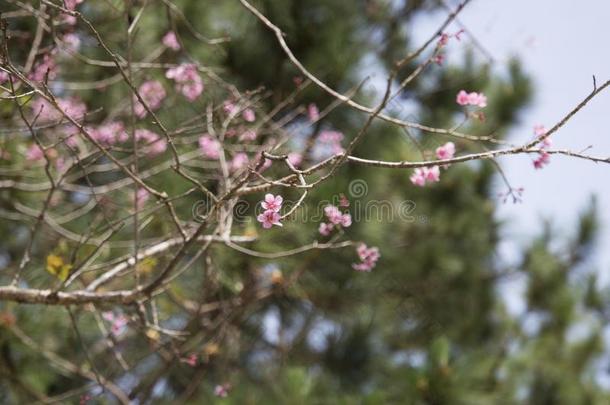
(57, 267)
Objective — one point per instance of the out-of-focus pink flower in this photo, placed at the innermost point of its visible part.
(473, 98)
(153, 93)
(230, 108)
(71, 4)
(462, 98)
(269, 218)
(346, 220)
(423, 175)
(44, 111)
(438, 59)
(40, 70)
(447, 151)
(171, 41)
(248, 135)
(34, 153)
(210, 147)
(191, 360)
(188, 81)
(368, 258)
(295, 158)
(222, 391)
(71, 42)
(156, 145)
(313, 114)
(3, 76)
(142, 196)
(332, 139)
(249, 115)
(118, 322)
(110, 133)
(444, 39)
(273, 203)
(239, 161)
(539, 130)
(325, 229)
(542, 160)
(334, 215)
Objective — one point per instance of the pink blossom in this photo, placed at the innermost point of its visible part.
(462, 98)
(188, 81)
(248, 135)
(325, 229)
(313, 113)
(542, 160)
(171, 41)
(109, 133)
(273, 203)
(191, 360)
(153, 93)
(34, 153)
(210, 147)
(142, 196)
(222, 391)
(424, 174)
(438, 59)
(156, 144)
(71, 106)
(446, 151)
(44, 67)
(3, 76)
(368, 258)
(249, 115)
(118, 322)
(333, 214)
(71, 42)
(332, 139)
(444, 39)
(473, 98)
(269, 218)
(295, 158)
(71, 4)
(346, 220)
(539, 132)
(239, 161)
(230, 108)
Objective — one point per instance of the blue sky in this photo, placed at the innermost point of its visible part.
(561, 44)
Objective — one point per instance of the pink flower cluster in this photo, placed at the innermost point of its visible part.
(332, 139)
(188, 81)
(142, 196)
(171, 41)
(210, 147)
(239, 161)
(222, 390)
(423, 175)
(313, 114)
(110, 133)
(444, 39)
(446, 151)
(336, 219)
(156, 144)
(40, 70)
(3, 76)
(118, 322)
(191, 360)
(272, 206)
(71, 42)
(153, 93)
(368, 258)
(45, 112)
(34, 153)
(248, 115)
(543, 158)
(472, 98)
